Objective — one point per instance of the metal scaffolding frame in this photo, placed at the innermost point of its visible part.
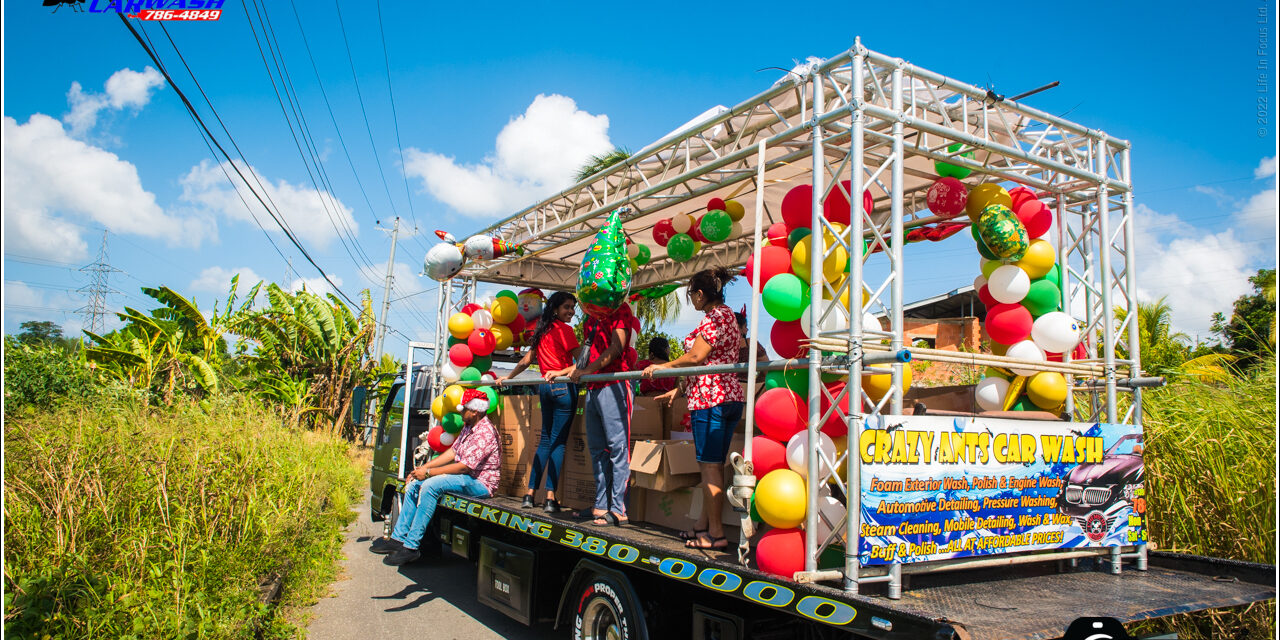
(879, 122)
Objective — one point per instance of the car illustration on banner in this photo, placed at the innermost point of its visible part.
(1094, 495)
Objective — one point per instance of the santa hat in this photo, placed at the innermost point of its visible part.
(533, 292)
(475, 400)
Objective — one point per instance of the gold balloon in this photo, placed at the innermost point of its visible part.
(985, 195)
(1038, 259)
(878, 385)
(1047, 389)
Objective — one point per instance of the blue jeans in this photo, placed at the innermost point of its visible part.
(607, 418)
(713, 430)
(419, 504)
(559, 402)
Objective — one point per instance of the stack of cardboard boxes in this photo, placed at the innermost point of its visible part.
(664, 467)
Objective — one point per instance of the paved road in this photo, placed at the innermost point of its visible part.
(432, 598)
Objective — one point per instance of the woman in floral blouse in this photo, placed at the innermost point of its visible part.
(715, 401)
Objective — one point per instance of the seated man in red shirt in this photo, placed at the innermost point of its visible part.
(470, 468)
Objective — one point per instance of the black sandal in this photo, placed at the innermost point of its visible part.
(713, 545)
(587, 514)
(610, 519)
(690, 534)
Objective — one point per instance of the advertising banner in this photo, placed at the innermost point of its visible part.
(936, 487)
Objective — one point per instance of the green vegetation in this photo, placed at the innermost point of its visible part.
(132, 523)
(1210, 465)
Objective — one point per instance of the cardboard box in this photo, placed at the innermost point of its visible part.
(664, 465)
(680, 509)
(673, 417)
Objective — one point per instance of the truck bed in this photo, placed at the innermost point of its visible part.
(1023, 601)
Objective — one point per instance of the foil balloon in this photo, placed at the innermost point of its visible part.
(443, 261)
(530, 303)
(488, 248)
(605, 278)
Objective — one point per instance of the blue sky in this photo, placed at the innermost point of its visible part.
(477, 91)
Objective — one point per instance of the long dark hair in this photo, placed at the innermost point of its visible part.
(549, 316)
(711, 282)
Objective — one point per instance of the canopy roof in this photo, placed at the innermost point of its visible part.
(720, 158)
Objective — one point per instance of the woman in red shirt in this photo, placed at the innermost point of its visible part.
(659, 353)
(555, 346)
(716, 400)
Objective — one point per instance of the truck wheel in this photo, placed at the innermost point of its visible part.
(604, 613)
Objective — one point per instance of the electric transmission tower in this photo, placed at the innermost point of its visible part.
(95, 310)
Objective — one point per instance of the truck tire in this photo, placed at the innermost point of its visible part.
(604, 612)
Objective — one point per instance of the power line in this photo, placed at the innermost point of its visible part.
(386, 59)
(191, 108)
(98, 288)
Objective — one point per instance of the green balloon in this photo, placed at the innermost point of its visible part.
(993, 372)
(1054, 276)
(451, 422)
(755, 515)
(982, 247)
(785, 296)
(470, 374)
(1043, 297)
(990, 266)
(716, 226)
(493, 399)
(507, 293)
(796, 380)
(796, 235)
(1024, 404)
(946, 170)
(642, 255)
(481, 364)
(452, 341)
(680, 247)
(832, 557)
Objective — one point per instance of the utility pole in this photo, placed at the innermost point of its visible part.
(98, 289)
(386, 292)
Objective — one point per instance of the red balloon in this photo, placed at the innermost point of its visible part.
(663, 231)
(985, 297)
(517, 325)
(780, 413)
(715, 203)
(786, 337)
(836, 207)
(781, 552)
(433, 439)
(835, 424)
(482, 342)
(1081, 352)
(868, 203)
(471, 308)
(1008, 323)
(460, 355)
(797, 206)
(767, 455)
(1020, 195)
(777, 235)
(774, 260)
(947, 197)
(695, 231)
(1035, 216)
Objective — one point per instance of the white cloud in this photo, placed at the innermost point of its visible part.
(1266, 168)
(125, 88)
(317, 285)
(314, 216)
(218, 279)
(23, 303)
(535, 155)
(52, 178)
(1198, 273)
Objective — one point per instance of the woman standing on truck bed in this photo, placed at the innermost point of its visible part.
(555, 346)
(715, 400)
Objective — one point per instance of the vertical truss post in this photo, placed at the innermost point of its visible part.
(744, 546)
(1104, 280)
(853, 388)
(1064, 280)
(1131, 285)
(895, 215)
(816, 256)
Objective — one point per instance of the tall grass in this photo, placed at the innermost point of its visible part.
(1210, 454)
(128, 523)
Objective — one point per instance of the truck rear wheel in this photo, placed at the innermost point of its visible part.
(605, 613)
(393, 516)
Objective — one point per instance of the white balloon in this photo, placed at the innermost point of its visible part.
(735, 230)
(1025, 350)
(449, 372)
(633, 250)
(478, 247)
(447, 439)
(831, 513)
(482, 318)
(681, 223)
(487, 378)
(979, 282)
(870, 322)
(837, 319)
(1009, 284)
(798, 449)
(443, 261)
(1056, 332)
(989, 393)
